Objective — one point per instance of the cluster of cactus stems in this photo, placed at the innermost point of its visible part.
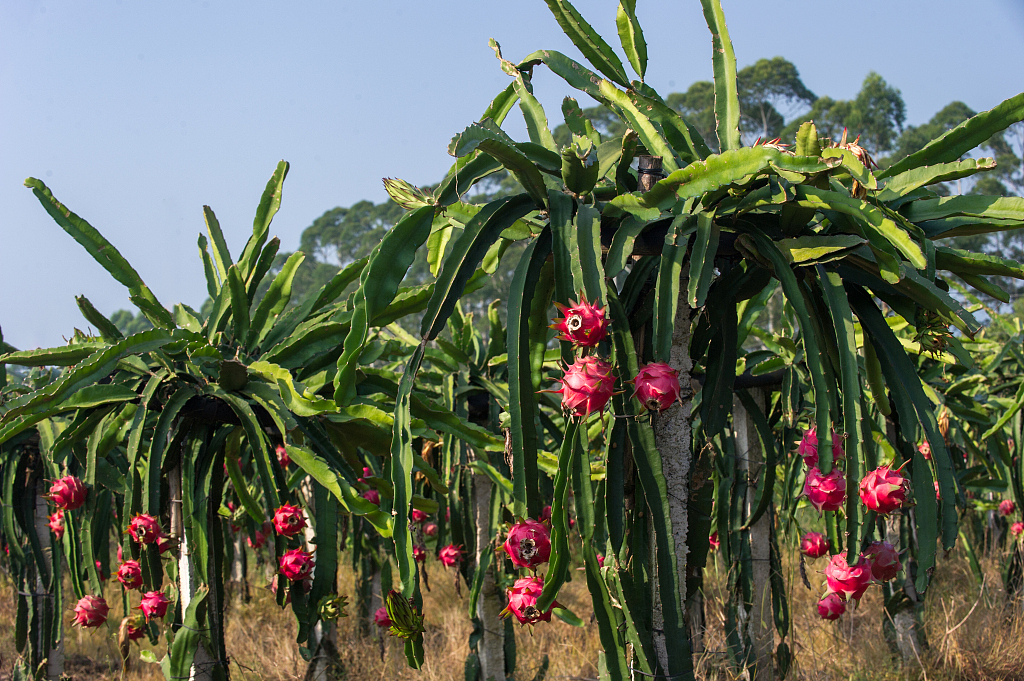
(319, 426)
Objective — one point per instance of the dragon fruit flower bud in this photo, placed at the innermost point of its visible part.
(297, 565)
(371, 495)
(289, 520)
(67, 493)
(1006, 507)
(814, 545)
(430, 529)
(418, 516)
(91, 611)
(522, 601)
(154, 604)
(582, 324)
(56, 524)
(144, 529)
(849, 581)
(528, 544)
(883, 490)
(586, 386)
(282, 456)
(883, 560)
(129, 573)
(450, 555)
(808, 447)
(657, 386)
(714, 541)
(831, 607)
(380, 618)
(825, 492)
(1017, 529)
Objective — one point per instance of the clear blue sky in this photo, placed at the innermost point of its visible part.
(138, 113)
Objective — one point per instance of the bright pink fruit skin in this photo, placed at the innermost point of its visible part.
(371, 495)
(144, 529)
(1006, 507)
(657, 386)
(926, 450)
(587, 386)
(831, 607)
(129, 573)
(825, 492)
(56, 524)
(430, 529)
(288, 520)
(814, 545)
(282, 456)
(522, 601)
(714, 541)
(808, 448)
(68, 493)
(938, 494)
(450, 555)
(418, 516)
(136, 629)
(91, 611)
(165, 544)
(297, 565)
(1017, 529)
(381, 618)
(582, 324)
(419, 553)
(849, 581)
(600, 560)
(154, 604)
(883, 490)
(883, 560)
(528, 544)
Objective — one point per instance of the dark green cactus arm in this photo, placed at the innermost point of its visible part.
(270, 202)
(559, 562)
(723, 58)
(583, 36)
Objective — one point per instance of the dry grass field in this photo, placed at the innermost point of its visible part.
(971, 634)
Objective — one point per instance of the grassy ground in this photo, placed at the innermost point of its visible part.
(971, 635)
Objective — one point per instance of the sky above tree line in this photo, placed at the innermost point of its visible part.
(135, 115)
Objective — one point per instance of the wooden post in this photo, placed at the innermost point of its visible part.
(44, 601)
(491, 648)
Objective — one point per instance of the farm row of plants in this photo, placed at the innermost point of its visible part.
(655, 417)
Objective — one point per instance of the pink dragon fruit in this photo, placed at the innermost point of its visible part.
(56, 524)
(296, 565)
(430, 529)
(259, 537)
(528, 544)
(91, 611)
(814, 545)
(380, 618)
(418, 516)
(135, 627)
(68, 493)
(587, 386)
(808, 448)
(825, 492)
(600, 560)
(450, 555)
(1017, 529)
(129, 573)
(144, 529)
(419, 553)
(831, 607)
(282, 456)
(289, 520)
(938, 494)
(154, 604)
(545, 515)
(522, 601)
(849, 581)
(714, 541)
(657, 386)
(883, 560)
(883, 490)
(1006, 507)
(371, 495)
(582, 324)
(926, 450)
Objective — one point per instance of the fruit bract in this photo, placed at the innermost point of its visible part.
(849, 581)
(814, 545)
(154, 604)
(528, 544)
(522, 601)
(288, 520)
(825, 492)
(67, 493)
(1006, 507)
(296, 565)
(144, 529)
(657, 386)
(831, 607)
(587, 386)
(129, 573)
(56, 524)
(883, 490)
(450, 555)
(91, 611)
(883, 560)
(582, 324)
